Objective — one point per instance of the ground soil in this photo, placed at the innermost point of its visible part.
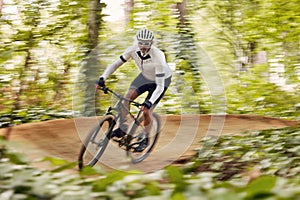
(179, 137)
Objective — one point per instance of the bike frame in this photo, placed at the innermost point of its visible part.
(118, 106)
(128, 142)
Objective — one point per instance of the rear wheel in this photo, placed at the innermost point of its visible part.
(96, 142)
(137, 157)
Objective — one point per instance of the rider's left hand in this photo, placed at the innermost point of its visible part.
(101, 82)
(147, 104)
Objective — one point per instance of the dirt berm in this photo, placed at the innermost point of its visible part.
(179, 137)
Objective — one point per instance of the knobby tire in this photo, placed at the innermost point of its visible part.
(137, 157)
(104, 126)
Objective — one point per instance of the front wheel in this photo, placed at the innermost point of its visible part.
(137, 157)
(96, 142)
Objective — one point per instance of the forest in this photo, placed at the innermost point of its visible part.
(232, 56)
(227, 56)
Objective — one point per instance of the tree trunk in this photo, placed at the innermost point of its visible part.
(94, 23)
(62, 82)
(188, 47)
(90, 66)
(182, 11)
(1, 5)
(22, 78)
(129, 4)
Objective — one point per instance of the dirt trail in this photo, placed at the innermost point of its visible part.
(179, 137)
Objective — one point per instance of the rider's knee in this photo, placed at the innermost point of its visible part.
(147, 112)
(131, 94)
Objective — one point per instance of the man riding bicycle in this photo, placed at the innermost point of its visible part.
(154, 78)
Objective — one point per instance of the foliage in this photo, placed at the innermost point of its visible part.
(36, 59)
(255, 94)
(236, 34)
(270, 151)
(255, 165)
(45, 47)
(45, 44)
(31, 115)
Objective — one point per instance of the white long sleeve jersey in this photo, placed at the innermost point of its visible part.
(153, 66)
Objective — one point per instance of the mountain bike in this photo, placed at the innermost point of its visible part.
(99, 136)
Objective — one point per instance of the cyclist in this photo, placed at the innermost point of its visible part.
(154, 78)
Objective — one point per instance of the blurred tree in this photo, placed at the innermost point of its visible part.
(187, 55)
(129, 4)
(43, 43)
(251, 26)
(91, 63)
(229, 19)
(251, 29)
(281, 30)
(1, 5)
(29, 38)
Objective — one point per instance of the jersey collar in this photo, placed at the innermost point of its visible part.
(147, 56)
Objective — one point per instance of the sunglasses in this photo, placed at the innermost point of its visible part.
(145, 43)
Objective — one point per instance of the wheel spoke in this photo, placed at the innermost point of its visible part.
(96, 142)
(153, 135)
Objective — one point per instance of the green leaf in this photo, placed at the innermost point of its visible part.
(88, 171)
(177, 177)
(65, 167)
(175, 174)
(55, 161)
(17, 158)
(22, 188)
(101, 184)
(178, 196)
(261, 185)
(153, 189)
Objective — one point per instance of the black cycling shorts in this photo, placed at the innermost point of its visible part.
(141, 84)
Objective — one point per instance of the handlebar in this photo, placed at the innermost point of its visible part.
(106, 90)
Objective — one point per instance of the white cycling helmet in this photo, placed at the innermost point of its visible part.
(144, 34)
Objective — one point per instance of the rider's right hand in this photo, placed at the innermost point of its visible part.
(101, 82)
